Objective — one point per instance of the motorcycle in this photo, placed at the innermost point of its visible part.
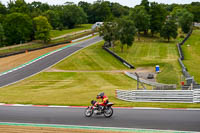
(107, 110)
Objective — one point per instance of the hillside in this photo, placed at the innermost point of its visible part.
(191, 50)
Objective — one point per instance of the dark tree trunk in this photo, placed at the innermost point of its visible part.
(138, 35)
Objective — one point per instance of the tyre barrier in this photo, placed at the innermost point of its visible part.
(184, 69)
(119, 58)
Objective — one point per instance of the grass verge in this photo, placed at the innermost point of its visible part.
(71, 88)
(191, 52)
(56, 33)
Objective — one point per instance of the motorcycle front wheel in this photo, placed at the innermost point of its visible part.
(108, 112)
(88, 112)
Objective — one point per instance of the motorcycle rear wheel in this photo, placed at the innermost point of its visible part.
(88, 112)
(108, 112)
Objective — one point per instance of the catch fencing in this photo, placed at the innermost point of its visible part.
(159, 85)
(178, 96)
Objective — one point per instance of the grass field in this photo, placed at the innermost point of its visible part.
(151, 52)
(191, 50)
(58, 88)
(75, 88)
(147, 53)
(56, 33)
(92, 58)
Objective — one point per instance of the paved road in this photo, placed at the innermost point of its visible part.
(182, 120)
(43, 63)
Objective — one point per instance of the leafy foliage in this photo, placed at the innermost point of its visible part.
(42, 28)
(158, 16)
(1, 34)
(141, 18)
(169, 29)
(126, 32)
(109, 32)
(18, 28)
(185, 21)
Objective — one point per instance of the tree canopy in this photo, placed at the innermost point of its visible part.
(169, 29)
(42, 28)
(18, 28)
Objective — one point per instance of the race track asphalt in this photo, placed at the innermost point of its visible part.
(164, 119)
(42, 64)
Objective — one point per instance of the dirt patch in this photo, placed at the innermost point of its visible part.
(24, 129)
(16, 60)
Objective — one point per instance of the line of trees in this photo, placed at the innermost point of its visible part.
(153, 17)
(21, 22)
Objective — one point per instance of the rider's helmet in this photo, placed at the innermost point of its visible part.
(100, 95)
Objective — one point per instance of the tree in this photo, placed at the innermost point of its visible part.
(86, 8)
(126, 32)
(145, 3)
(19, 6)
(169, 29)
(71, 15)
(108, 31)
(118, 10)
(3, 9)
(18, 28)
(42, 28)
(100, 12)
(141, 19)
(53, 17)
(195, 10)
(185, 21)
(158, 16)
(1, 34)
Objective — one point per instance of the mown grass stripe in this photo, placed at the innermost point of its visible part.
(93, 128)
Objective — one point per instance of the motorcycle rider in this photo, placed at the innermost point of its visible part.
(102, 104)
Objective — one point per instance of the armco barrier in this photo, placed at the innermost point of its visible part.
(119, 58)
(178, 96)
(159, 85)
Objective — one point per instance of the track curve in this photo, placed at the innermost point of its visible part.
(43, 63)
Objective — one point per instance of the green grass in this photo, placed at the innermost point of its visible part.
(192, 55)
(150, 52)
(21, 48)
(91, 58)
(56, 33)
(72, 88)
(65, 88)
